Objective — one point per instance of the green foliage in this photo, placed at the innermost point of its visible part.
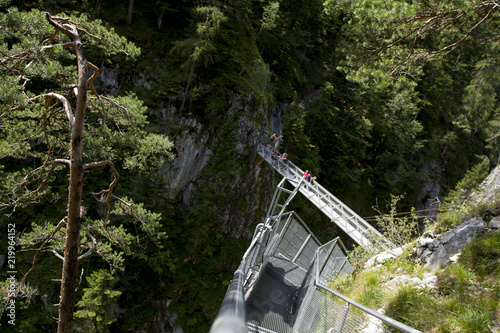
(96, 308)
(465, 298)
(369, 290)
(154, 153)
(259, 75)
(470, 307)
(481, 102)
(296, 141)
(447, 220)
(202, 41)
(457, 279)
(39, 76)
(392, 37)
(472, 318)
(398, 230)
(145, 221)
(270, 16)
(455, 208)
(469, 183)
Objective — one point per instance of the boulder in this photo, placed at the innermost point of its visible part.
(437, 250)
(403, 279)
(494, 223)
(375, 325)
(383, 256)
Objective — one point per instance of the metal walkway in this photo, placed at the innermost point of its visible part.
(271, 300)
(282, 283)
(351, 223)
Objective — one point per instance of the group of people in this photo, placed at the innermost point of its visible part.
(282, 157)
(273, 148)
(307, 176)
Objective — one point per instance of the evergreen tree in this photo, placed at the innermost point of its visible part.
(95, 312)
(45, 105)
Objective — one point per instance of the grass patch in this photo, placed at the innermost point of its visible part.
(471, 317)
(483, 255)
(465, 299)
(416, 308)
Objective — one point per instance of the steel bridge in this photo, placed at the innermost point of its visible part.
(282, 282)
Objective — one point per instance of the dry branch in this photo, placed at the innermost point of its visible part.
(33, 262)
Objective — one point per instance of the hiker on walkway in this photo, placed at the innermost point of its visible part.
(273, 140)
(277, 142)
(284, 158)
(273, 137)
(255, 140)
(305, 174)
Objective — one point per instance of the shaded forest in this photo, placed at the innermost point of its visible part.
(379, 98)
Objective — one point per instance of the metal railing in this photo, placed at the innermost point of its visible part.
(321, 308)
(358, 229)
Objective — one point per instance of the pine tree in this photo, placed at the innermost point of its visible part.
(95, 312)
(45, 105)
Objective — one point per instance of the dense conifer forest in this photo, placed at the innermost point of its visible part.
(378, 98)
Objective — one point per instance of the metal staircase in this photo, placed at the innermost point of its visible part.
(351, 223)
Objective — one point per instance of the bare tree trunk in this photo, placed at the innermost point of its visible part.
(187, 88)
(72, 243)
(160, 18)
(130, 10)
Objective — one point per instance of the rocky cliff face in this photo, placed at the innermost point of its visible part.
(489, 188)
(435, 250)
(193, 147)
(193, 141)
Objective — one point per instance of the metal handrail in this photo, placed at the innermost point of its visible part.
(232, 313)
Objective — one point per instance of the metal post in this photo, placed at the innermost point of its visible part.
(327, 257)
(301, 248)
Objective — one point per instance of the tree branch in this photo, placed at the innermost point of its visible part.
(57, 254)
(62, 28)
(111, 186)
(451, 46)
(67, 106)
(25, 199)
(33, 262)
(92, 248)
(65, 45)
(54, 162)
(91, 85)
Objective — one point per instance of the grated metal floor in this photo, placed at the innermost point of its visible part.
(270, 304)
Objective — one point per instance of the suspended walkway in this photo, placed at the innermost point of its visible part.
(282, 282)
(351, 223)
